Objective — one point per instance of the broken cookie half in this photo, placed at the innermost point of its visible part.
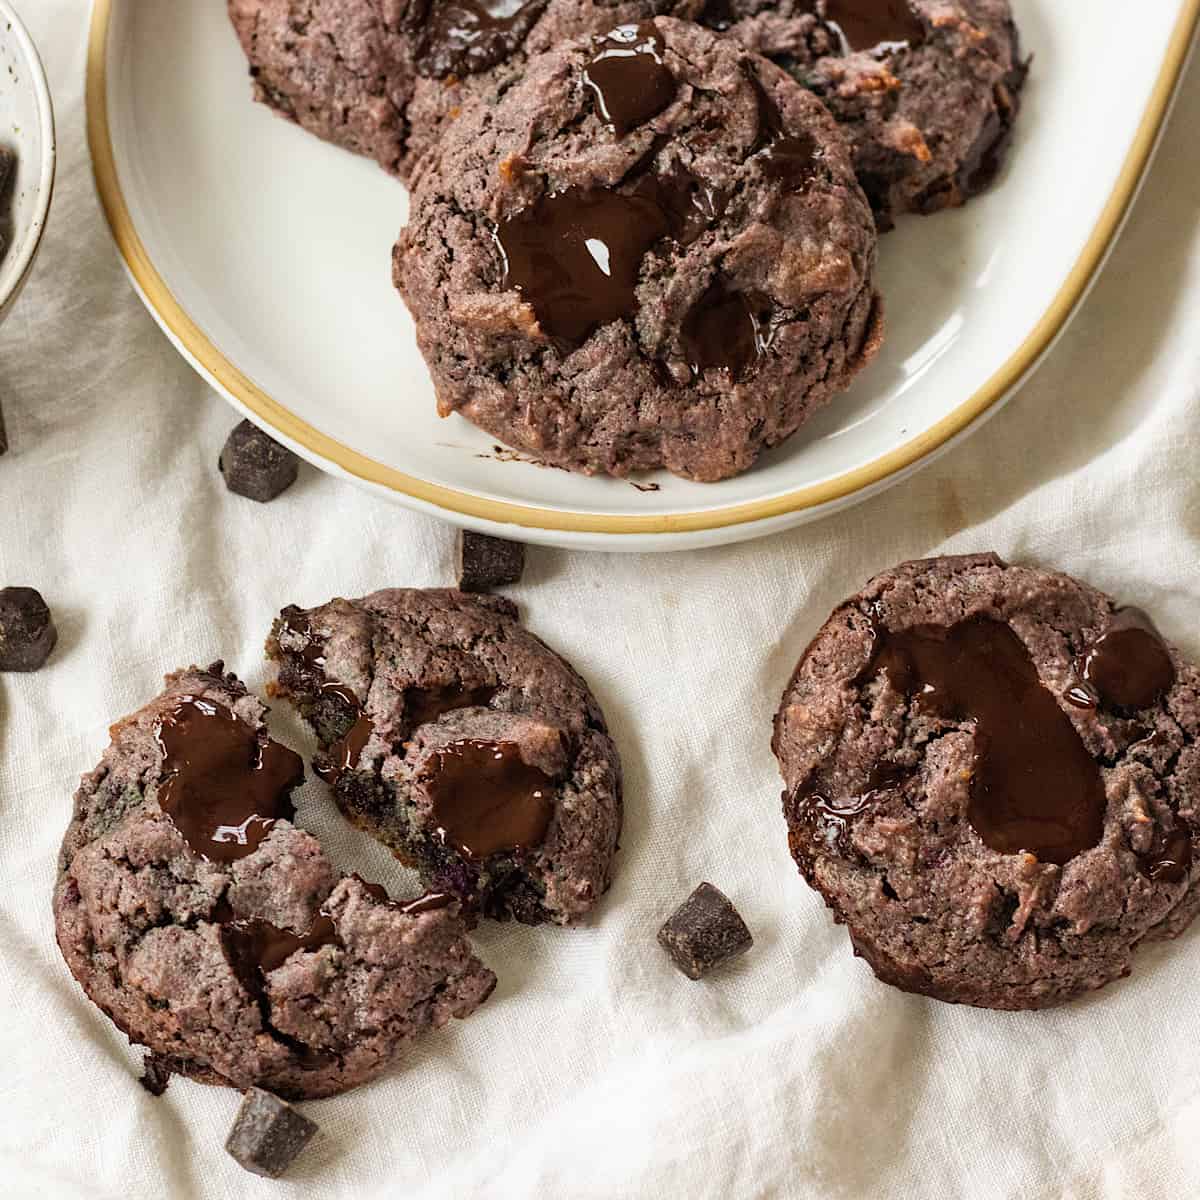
(213, 930)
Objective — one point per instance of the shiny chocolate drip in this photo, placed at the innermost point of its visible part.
(464, 37)
(721, 330)
(429, 902)
(629, 77)
(1129, 664)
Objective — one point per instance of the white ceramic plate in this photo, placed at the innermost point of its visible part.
(264, 254)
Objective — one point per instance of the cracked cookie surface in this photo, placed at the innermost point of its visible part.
(927, 90)
(236, 952)
(679, 288)
(992, 775)
(461, 741)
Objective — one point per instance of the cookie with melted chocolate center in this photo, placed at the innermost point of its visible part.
(650, 252)
(992, 776)
(462, 742)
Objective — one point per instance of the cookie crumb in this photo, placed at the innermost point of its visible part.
(255, 465)
(268, 1134)
(704, 932)
(157, 1070)
(27, 630)
(487, 562)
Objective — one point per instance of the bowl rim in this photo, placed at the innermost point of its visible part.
(465, 507)
(25, 250)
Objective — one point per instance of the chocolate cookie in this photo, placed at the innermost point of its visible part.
(380, 77)
(992, 775)
(926, 89)
(214, 931)
(464, 743)
(652, 251)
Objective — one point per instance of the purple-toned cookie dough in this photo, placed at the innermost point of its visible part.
(382, 77)
(992, 774)
(463, 743)
(680, 285)
(926, 89)
(214, 931)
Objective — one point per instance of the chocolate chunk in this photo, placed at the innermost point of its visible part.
(723, 330)
(157, 1070)
(575, 256)
(1129, 664)
(1169, 858)
(257, 466)
(225, 785)
(487, 562)
(268, 1134)
(27, 632)
(628, 77)
(487, 799)
(867, 24)
(704, 932)
(1034, 787)
(464, 37)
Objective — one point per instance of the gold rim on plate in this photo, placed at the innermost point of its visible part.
(227, 377)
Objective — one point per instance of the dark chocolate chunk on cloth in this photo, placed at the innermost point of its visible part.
(257, 466)
(487, 562)
(27, 632)
(268, 1134)
(704, 932)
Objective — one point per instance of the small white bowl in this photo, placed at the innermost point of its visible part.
(27, 130)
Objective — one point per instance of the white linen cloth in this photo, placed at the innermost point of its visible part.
(595, 1070)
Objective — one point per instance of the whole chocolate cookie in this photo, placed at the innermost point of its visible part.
(926, 89)
(380, 77)
(652, 251)
(463, 742)
(992, 775)
(214, 931)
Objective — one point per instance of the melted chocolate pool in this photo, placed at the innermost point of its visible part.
(575, 256)
(487, 799)
(1035, 787)
(224, 787)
